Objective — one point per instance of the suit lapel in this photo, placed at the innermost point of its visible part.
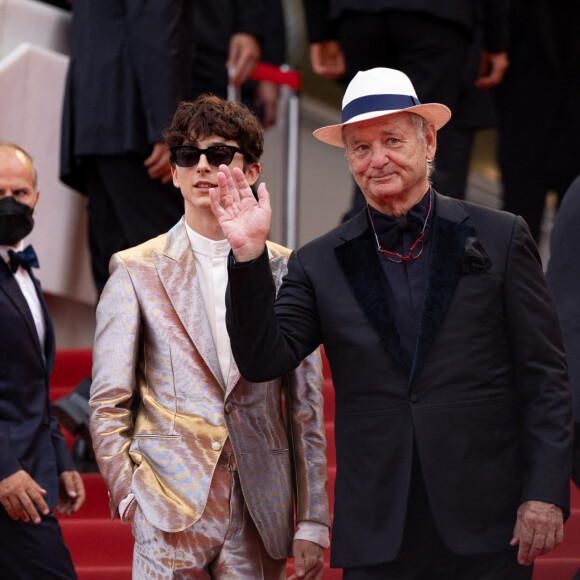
(176, 270)
(449, 236)
(360, 264)
(10, 286)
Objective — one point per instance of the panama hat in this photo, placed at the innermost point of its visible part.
(377, 93)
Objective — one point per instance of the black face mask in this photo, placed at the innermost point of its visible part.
(16, 221)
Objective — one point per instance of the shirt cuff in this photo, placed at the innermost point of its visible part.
(313, 532)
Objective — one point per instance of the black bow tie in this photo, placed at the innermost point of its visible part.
(389, 229)
(27, 259)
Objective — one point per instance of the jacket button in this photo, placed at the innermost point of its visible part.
(228, 408)
(216, 445)
(413, 398)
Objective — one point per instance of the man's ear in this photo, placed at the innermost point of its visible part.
(431, 140)
(36, 201)
(252, 172)
(175, 177)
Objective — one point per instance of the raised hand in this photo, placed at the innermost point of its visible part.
(243, 56)
(244, 221)
(157, 164)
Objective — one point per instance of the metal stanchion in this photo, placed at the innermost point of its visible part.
(288, 124)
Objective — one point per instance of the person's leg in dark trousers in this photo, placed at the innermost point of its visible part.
(424, 556)
(420, 545)
(452, 163)
(126, 208)
(29, 551)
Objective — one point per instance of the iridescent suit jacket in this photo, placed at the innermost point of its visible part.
(153, 341)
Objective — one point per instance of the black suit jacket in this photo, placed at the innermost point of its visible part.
(130, 65)
(30, 436)
(214, 24)
(564, 278)
(321, 14)
(486, 398)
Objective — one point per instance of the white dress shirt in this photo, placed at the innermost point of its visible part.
(211, 263)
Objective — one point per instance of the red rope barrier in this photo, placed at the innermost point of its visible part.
(273, 74)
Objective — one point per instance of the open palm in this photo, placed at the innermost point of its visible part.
(244, 221)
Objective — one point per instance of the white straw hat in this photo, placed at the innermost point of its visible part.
(377, 93)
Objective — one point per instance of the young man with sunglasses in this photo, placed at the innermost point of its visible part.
(205, 470)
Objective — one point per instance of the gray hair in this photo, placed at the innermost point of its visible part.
(420, 125)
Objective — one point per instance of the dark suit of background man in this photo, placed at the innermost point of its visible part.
(453, 410)
(429, 40)
(544, 54)
(36, 470)
(564, 278)
(130, 64)
(222, 29)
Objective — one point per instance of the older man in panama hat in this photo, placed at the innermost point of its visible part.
(453, 409)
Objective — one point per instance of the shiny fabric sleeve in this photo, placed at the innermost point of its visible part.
(115, 362)
(306, 412)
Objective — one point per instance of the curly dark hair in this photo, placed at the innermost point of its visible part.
(211, 115)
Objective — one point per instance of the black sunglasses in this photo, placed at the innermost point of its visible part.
(188, 155)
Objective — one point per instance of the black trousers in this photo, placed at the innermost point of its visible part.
(30, 551)
(424, 556)
(126, 208)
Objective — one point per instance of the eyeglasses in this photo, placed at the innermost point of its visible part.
(188, 155)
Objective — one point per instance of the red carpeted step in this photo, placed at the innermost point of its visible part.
(99, 573)
(98, 542)
(555, 569)
(328, 394)
(71, 366)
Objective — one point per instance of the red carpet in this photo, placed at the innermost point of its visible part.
(102, 549)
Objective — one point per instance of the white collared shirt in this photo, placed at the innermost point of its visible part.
(211, 263)
(28, 288)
